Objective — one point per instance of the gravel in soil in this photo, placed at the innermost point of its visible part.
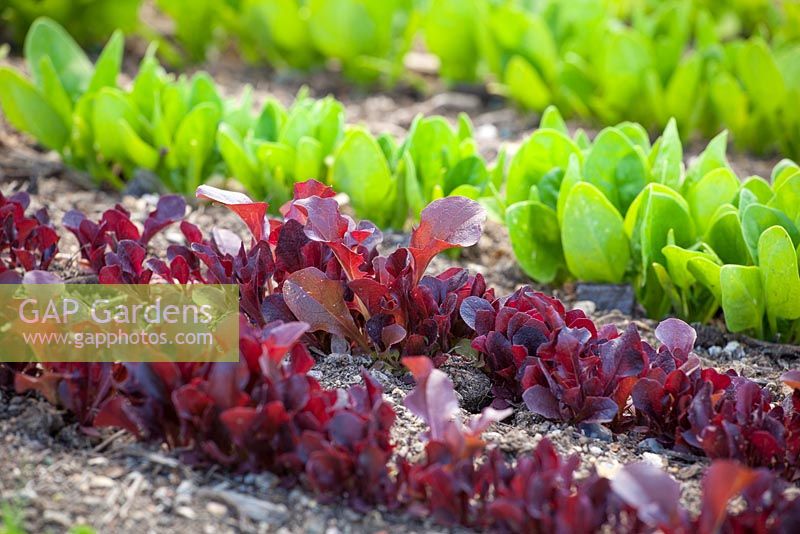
(59, 477)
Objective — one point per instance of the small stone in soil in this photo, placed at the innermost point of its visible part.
(595, 431)
(607, 297)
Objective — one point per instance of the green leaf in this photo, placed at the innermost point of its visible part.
(551, 118)
(54, 91)
(681, 92)
(344, 29)
(730, 101)
(240, 162)
(667, 164)
(582, 140)
(466, 190)
(571, 177)
(238, 114)
(779, 275)
(677, 265)
(525, 85)
(110, 106)
(29, 111)
(535, 239)
(465, 128)
(298, 124)
(142, 154)
(276, 162)
(469, 171)
(549, 187)
(204, 91)
(329, 114)
(194, 142)
(756, 218)
(360, 170)
(493, 204)
(707, 273)
(435, 148)
(616, 168)
(309, 160)
(543, 151)
(655, 214)
(759, 187)
(624, 56)
(742, 298)
(724, 235)
(783, 171)
(636, 134)
(716, 188)
(713, 157)
(412, 193)
(46, 38)
(668, 286)
(760, 75)
(787, 198)
(498, 171)
(270, 121)
(449, 29)
(149, 87)
(595, 245)
(109, 63)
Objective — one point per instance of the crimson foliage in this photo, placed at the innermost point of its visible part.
(461, 482)
(263, 413)
(27, 243)
(564, 368)
(322, 267)
(538, 494)
(114, 248)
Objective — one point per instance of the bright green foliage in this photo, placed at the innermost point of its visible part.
(690, 240)
(90, 22)
(710, 65)
(163, 125)
(595, 246)
(389, 182)
(280, 147)
(183, 131)
(369, 39)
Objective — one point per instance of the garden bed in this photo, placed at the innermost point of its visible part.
(61, 477)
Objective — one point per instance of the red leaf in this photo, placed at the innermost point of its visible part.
(170, 209)
(433, 399)
(254, 214)
(282, 338)
(651, 492)
(791, 379)
(319, 301)
(724, 480)
(445, 223)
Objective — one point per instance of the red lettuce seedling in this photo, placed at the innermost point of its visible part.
(96, 240)
(539, 493)
(322, 267)
(649, 498)
(264, 412)
(531, 344)
(744, 424)
(26, 243)
(81, 388)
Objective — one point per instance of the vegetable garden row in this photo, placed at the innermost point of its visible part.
(710, 65)
(693, 239)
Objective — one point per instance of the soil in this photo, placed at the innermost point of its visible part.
(58, 477)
